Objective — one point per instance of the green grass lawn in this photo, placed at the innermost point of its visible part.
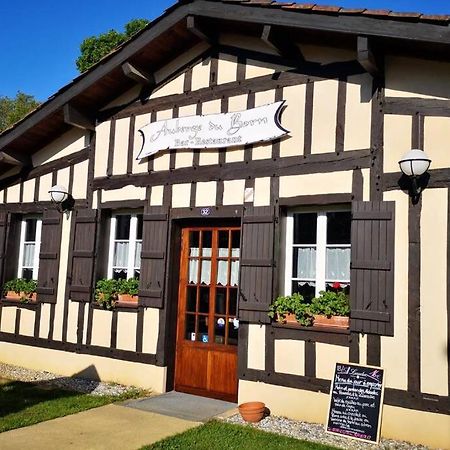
(219, 436)
(23, 404)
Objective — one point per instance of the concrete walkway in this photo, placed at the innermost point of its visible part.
(109, 427)
(126, 426)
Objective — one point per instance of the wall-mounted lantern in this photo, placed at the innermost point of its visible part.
(61, 198)
(414, 164)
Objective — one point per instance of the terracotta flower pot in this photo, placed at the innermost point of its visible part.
(252, 411)
(14, 296)
(332, 322)
(128, 298)
(288, 318)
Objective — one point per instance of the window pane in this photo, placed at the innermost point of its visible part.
(30, 229)
(234, 273)
(120, 274)
(207, 243)
(305, 228)
(205, 277)
(191, 300)
(235, 243)
(338, 264)
(307, 290)
(27, 274)
(221, 301)
(204, 300)
(233, 327)
(120, 254)
(137, 255)
(202, 329)
(232, 306)
(194, 240)
(223, 244)
(190, 327)
(338, 227)
(304, 264)
(123, 226)
(140, 223)
(219, 330)
(193, 271)
(222, 272)
(28, 255)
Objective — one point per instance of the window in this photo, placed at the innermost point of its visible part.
(317, 252)
(30, 243)
(125, 245)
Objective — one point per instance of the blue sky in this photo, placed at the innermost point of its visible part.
(40, 40)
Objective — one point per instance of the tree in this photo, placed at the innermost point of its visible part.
(14, 109)
(94, 48)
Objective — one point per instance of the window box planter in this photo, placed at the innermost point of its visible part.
(127, 301)
(20, 290)
(321, 320)
(287, 318)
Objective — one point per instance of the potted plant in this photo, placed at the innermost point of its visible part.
(106, 293)
(291, 309)
(127, 290)
(331, 308)
(20, 289)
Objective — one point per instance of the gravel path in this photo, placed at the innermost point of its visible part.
(315, 432)
(74, 384)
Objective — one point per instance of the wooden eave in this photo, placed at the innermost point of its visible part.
(168, 36)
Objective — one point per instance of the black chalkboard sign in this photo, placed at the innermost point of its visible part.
(355, 402)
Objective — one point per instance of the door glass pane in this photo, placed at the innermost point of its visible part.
(194, 241)
(223, 244)
(233, 327)
(219, 330)
(221, 301)
(205, 277)
(304, 262)
(235, 243)
(206, 244)
(232, 306)
(305, 228)
(222, 272)
(204, 300)
(234, 278)
(123, 226)
(190, 327)
(191, 298)
(193, 271)
(202, 329)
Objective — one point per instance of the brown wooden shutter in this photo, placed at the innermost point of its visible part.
(3, 230)
(372, 268)
(256, 264)
(47, 289)
(12, 244)
(82, 255)
(153, 256)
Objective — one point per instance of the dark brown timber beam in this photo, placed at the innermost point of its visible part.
(367, 58)
(196, 29)
(138, 75)
(74, 117)
(14, 158)
(281, 43)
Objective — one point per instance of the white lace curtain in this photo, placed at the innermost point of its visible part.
(28, 254)
(121, 249)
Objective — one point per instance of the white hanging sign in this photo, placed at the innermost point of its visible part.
(214, 131)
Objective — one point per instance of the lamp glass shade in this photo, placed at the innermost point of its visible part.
(58, 193)
(414, 163)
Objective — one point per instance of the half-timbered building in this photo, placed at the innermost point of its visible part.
(215, 234)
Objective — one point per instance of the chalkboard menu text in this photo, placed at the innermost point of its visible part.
(356, 399)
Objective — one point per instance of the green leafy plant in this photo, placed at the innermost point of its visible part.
(24, 288)
(291, 304)
(106, 293)
(130, 286)
(331, 303)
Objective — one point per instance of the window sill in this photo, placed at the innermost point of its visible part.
(314, 328)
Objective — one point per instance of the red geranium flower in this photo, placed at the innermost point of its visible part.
(336, 285)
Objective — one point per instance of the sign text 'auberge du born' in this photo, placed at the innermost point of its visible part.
(214, 131)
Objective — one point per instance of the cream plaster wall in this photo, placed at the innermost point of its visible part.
(358, 112)
(397, 140)
(317, 183)
(410, 77)
(237, 103)
(293, 119)
(264, 150)
(125, 98)
(366, 184)
(255, 69)
(233, 192)
(162, 158)
(419, 427)
(206, 193)
(28, 190)
(101, 148)
(156, 195)
(80, 175)
(72, 321)
(44, 325)
(62, 178)
(67, 364)
(262, 192)
(227, 69)
(172, 87)
(256, 346)
(185, 157)
(433, 292)
(45, 183)
(27, 319)
(70, 142)
(128, 192)
(437, 141)
(121, 146)
(101, 328)
(327, 356)
(151, 329)
(326, 55)
(8, 319)
(139, 166)
(394, 350)
(126, 331)
(323, 139)
(290, 356)
(181, 195)
(13, 194)
(200, 74)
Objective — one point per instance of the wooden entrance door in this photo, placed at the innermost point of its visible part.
(207, 328)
